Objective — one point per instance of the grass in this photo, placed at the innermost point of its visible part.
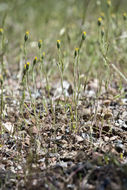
(86, 49)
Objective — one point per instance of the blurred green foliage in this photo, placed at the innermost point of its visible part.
(40, 16)
(50, 20)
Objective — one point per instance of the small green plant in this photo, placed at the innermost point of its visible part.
(26, 37)
(40, 48)
(24, 83)
(76, 82)
(2, 102)
(82, 39)
(3, 71)
(39, 68)
(33, 72)
(60, 64)
(44, 71)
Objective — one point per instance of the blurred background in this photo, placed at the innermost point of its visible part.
(50, 20)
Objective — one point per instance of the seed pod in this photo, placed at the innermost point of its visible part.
(58, 44)
(99, 21)
(35, 61)
(1, 31)
(84, 35)
(76, 52)
(26, 37)
(39, 44)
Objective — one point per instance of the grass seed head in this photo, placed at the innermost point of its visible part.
(99, 21)
(84, 35)
(39, 44)
(124, 16)
(1, 31)
(26, 37)
(58, 44)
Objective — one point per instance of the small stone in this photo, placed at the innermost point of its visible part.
(106, 139)
(113, 138)
(119, 148)
(107, 114)
(106, 102)
(8, 127)
(78, 138)
(34, 130)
